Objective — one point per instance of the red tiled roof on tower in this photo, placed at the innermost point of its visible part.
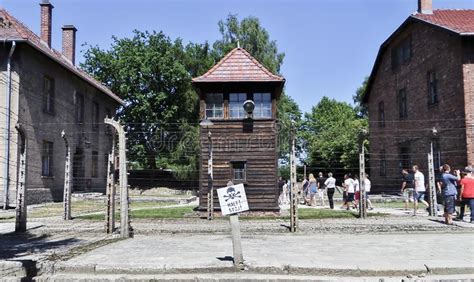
(459, 21)
(238, 66)
(12, 29)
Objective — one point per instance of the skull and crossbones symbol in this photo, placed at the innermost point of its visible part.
(231, 194)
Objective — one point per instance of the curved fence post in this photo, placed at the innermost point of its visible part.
(125, 229)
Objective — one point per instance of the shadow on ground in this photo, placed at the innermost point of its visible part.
(15, 245)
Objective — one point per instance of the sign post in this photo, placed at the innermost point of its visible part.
(233, 200)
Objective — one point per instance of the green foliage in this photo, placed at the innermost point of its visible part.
(332, 131)
(152, 74)
(289, 114)
(360, 108)
(252, 37)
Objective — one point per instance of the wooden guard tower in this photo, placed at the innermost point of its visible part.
(244, 144)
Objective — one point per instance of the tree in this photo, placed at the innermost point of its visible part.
(152, 74)
(360, 108)
(332, 130)
(252, 37)
(256, 40)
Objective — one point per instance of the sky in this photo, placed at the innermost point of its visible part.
(329, 45)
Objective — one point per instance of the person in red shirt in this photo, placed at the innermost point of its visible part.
(467, 190)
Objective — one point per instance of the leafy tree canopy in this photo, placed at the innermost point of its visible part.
(360, 108)
(332, 131)
(152, 74)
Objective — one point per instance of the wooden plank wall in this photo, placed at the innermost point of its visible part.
(258, 148)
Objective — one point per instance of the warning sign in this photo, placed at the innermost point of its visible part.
(232, 199)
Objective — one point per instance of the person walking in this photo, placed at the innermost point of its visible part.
(286, 191)
(281, 182)
(420, 188)
(356, 190)
(330, 184)
(462, 202)
(313, 189)
(349, 189)
(467, 190)
(449, 192)
(282, 186)
(367, 186)
(407, 187)
(321, 188)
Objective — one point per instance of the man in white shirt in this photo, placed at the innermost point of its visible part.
(350, 190)
(330, 184)
(368, 185)
(420, 187)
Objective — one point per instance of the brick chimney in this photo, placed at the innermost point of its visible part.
(425, 6)
(46, 19)
(69, 42)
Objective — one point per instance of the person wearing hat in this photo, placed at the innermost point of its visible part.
(467, 191)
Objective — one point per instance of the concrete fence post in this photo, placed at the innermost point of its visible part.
(110, 214)
(21, 205)
(67, 180)
(293, 184)
(362, 192)
(433, 210)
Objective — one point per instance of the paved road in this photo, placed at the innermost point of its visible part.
(293, 254)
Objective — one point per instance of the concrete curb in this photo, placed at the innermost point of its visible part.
(17, 268)
(92, 269)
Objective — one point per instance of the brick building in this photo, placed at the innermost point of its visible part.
(421, 92)
(48, 94)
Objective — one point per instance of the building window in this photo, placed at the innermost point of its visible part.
(95, 116)
(406, 50)
(47, 159)
(405, 156)
(402, 103)
(383, 164)
(214, 105)
(79, 106)
(95, 164)
(401, 54)
(263, 105)
(381, 114)
(236, 103)
(432, 88)
(239, 172)
(48, 95)
(436, 154)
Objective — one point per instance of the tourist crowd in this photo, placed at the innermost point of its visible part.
(453, 188)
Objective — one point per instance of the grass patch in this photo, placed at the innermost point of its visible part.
(323, 213)
(159, 213)
(175, 212)
(56, 209)
(85, 206)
